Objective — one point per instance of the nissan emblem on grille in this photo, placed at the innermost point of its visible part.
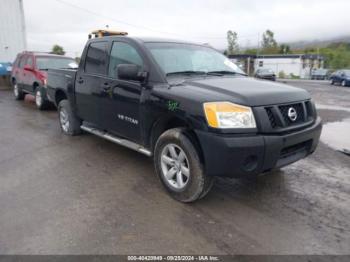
(292, 114)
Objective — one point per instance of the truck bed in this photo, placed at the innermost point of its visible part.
(60, 79)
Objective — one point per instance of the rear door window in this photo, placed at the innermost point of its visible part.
(30, 61)
(96, 58)
(22, 61)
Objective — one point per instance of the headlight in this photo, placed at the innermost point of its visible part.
(229, 115)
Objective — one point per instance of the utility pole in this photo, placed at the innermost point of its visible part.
(257, 54)
(257, 49)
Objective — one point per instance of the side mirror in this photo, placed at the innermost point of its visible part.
(28, 68)
(130, 72)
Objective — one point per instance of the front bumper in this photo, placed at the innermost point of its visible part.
(239, 155)
(271, 78)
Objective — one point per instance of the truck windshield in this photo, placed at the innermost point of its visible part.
(55, 63)
(176, 58)
(266, 71)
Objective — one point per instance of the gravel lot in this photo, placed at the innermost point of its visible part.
(85, 195)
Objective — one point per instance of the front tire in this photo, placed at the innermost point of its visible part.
(18, 93)
(69, 122)
(179, 168)
(343, 83)
(40, 99)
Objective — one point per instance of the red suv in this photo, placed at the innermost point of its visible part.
(29, 74)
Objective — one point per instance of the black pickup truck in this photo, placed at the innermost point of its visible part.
(186, 105)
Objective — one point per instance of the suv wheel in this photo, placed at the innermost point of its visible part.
(19, 95)
(343, 83)
(40, 99)
(69, 123)
(332, 82)
(179, 168)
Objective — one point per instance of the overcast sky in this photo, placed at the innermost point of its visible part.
(68, 22)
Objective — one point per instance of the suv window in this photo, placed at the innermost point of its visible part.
(30, 61)
(122, 53)
(96, 57)
(22, 61)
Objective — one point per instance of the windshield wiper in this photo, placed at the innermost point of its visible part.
(188, 72)
(214, 73)
(224, 72)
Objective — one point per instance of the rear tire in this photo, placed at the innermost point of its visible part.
(179, 168)
(40, 99)
(69, 122)
(18, 93)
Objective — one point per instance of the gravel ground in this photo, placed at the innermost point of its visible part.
(85, 195)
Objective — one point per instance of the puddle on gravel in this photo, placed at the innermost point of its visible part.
(337, 135)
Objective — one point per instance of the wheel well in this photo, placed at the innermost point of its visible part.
(59, 96)
(162, 126)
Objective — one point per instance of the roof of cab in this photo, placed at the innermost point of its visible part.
(147, 40)
(37, 53)
(161, 40)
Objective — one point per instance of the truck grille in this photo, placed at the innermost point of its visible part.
(271, 117)
(299, 111)
(289, 115)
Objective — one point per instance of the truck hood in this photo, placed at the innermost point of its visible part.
(243, 90)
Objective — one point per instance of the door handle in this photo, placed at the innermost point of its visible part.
(80, 80)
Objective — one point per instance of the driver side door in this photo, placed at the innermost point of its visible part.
(121, 99)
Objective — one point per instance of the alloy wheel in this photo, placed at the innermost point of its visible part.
(15, 90)
(38, 98)
(64, 120)
(175, 166)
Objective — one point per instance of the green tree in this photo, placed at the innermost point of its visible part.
(58, 50)
(336, 55)
(269, 44)
(284, 49)
(251, 51)
(233, 47)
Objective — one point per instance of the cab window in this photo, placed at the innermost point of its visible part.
(122, 53)
(22, 61)
(96, 57)
(30, 61)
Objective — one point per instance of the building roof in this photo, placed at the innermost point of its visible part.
(241, 56)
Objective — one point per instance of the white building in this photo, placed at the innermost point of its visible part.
(12, 29)
(299, 65)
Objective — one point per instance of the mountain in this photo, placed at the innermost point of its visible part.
(318, 43)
